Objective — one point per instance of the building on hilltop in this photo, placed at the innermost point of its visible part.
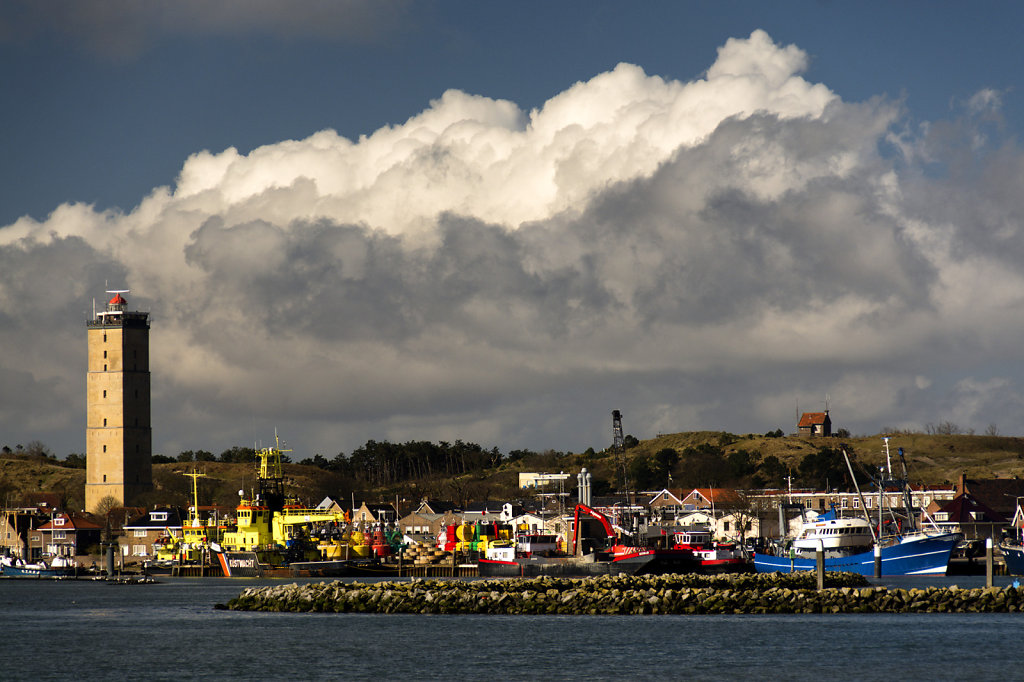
(118, 434)
(815, 424)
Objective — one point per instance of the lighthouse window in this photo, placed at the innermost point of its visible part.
(104, 394)
(104, 355)
(104, 475)
(104, 450)
(104, 368)
(104, 422)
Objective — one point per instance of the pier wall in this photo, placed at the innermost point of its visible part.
(621, 595)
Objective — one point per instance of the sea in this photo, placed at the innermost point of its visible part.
(170, 630)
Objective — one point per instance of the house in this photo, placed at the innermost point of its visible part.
(814, 424)
(738, 526)
(982, 508)
(329, 506)
(141, 532)
(375, 513)
(967, 515)
(713, 499)
(667, 504)
(434, 507)
(14, 527)
(426, 524)
(64, 535)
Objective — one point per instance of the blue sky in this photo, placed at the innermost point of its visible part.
(83, 125)
(444, 220)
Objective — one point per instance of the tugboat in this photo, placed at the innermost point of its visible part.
(272, 531)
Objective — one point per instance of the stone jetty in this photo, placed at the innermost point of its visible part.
(627, 595)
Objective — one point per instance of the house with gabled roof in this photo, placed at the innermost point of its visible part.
(982, 508)
(64, 535)
(434, 507)
(375, 513)
(142, 532)
(813, 424)
(712, 498)
(330, 506)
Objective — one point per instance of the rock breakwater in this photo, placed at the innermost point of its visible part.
(627, 595)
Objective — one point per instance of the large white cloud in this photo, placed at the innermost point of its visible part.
(699, 255)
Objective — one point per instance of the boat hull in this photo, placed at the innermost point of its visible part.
(1013, 555)
(643, 562)
(928, 555)
(239, 564)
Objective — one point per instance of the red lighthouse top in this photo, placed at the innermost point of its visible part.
(118, 300)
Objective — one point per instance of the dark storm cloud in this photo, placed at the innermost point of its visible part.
(700, 255)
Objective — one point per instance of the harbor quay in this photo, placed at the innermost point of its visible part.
(766, 593)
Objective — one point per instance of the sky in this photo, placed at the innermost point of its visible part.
(498, 222)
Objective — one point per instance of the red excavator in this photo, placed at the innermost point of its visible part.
(594, 538)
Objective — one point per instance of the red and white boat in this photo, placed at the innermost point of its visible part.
(713, 557)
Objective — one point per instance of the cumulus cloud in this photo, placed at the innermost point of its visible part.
(701, 255)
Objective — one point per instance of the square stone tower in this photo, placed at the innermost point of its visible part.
(118, 434)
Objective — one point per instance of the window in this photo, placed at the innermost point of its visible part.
(104, 394)
(140, 532)
(158, 516)
(104, 421)
(138, 550)
(60, 535)
(104, 475)
(58, 522)
(104, 355)
(104, 450)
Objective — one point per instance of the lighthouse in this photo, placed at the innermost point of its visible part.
(118, 434)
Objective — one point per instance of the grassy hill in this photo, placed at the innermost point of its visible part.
(932, 459)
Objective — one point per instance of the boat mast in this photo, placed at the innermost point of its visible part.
(860, 496)
(195, 476)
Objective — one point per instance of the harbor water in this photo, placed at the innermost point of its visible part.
(88, 630)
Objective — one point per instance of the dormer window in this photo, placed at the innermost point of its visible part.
(58, 522)
(158, 516)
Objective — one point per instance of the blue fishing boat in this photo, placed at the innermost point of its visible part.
(1013, 556)
(909, 555)
(851, 544)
